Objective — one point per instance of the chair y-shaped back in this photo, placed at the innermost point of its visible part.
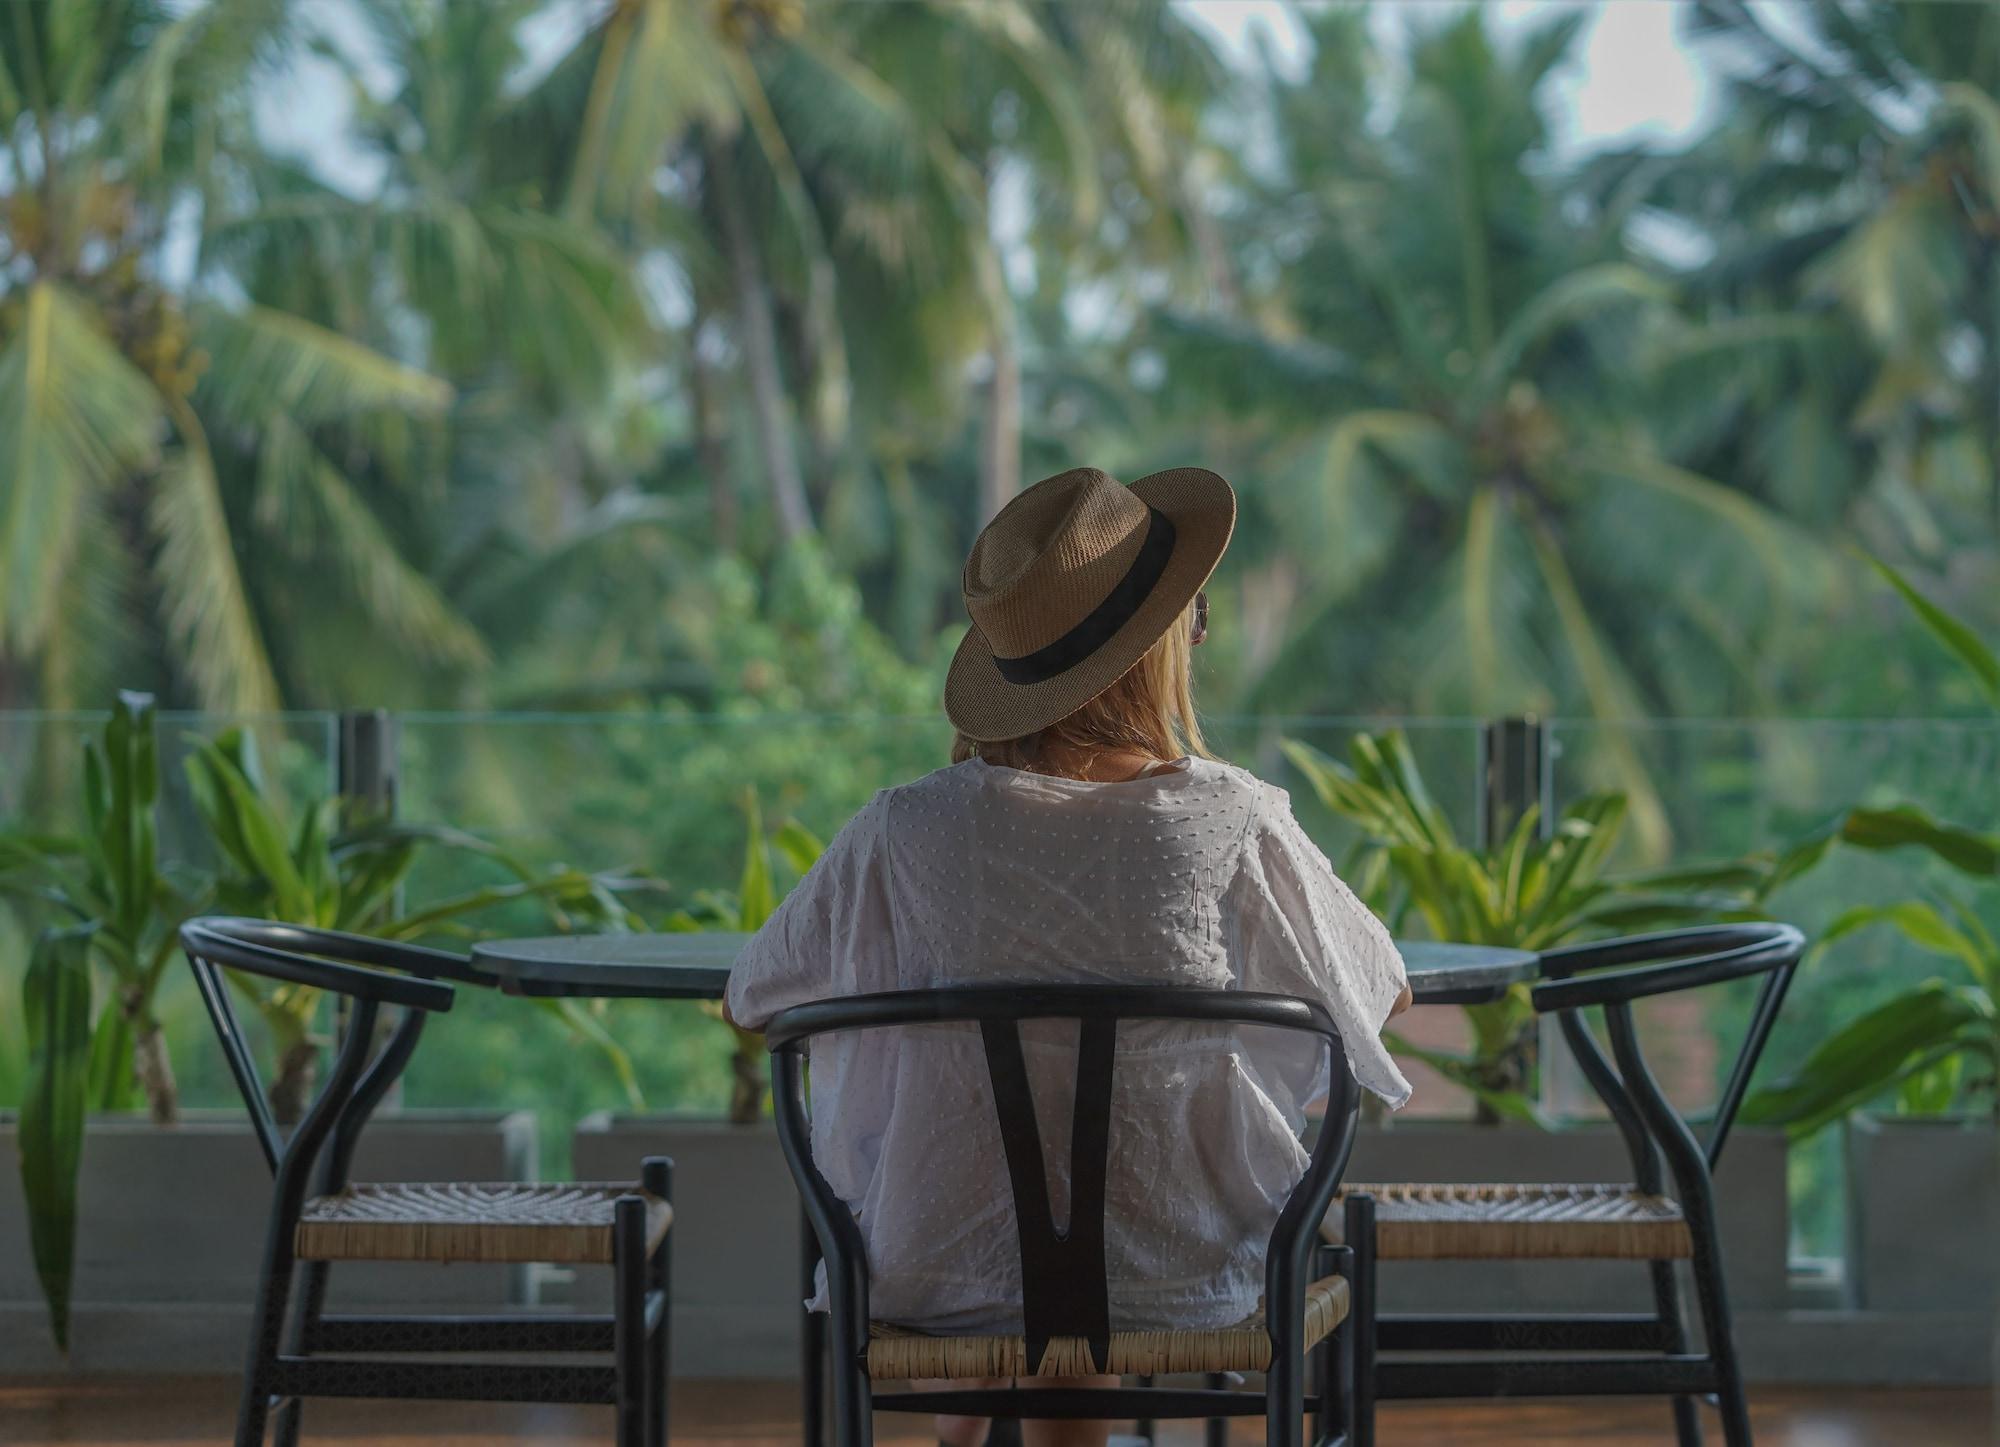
(1064, 1283)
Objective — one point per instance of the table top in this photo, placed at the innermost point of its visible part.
(695, 966)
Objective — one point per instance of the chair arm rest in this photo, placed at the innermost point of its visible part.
(1660, 964)
(283, 952)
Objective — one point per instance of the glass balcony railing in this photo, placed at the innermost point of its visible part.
(665, 797)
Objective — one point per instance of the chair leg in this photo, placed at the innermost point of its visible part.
(1327, 1387)
(274, 1290)
(853, 1395)
(1215, 1431)
(1146, 1427)
(812, 1344)
(1718, 1329)
(628, 1332)
(1667, 1303)
(1359, 1229)
(657, 1176)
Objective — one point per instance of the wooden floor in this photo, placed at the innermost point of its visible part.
(199, 1413)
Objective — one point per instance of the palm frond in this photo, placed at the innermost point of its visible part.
(208, 614)
(268, 364)
(330, 522)
(75, 416)
(1612, 696)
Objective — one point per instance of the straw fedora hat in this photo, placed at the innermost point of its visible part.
(1071, 583)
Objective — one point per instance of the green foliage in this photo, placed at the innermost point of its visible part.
(55, 1002)
(326, 870)
(1533, 890)
(1937, 1044)
(348, 873)
(754, 901)
(110, 878)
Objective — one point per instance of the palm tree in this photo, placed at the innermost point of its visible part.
(1849, 204)
(842, 165)
(172, 440)
(1448, 363)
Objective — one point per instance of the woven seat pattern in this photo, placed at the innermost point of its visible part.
(899, 1354)
(459, 1221)
(1523, 1223)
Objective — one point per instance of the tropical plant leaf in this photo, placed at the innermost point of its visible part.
(55, 1002)
(1563, 302)
(345, 533)
(208, 611)
(1960, 641)
(1907, 826)
(1611, 693)
(75, 417)
(799, 846)
(1872, 1053)
(1506, 1104)
(587, 1024)
(1923, 926)
(268, 363)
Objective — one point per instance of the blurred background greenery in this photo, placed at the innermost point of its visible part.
(612, 387)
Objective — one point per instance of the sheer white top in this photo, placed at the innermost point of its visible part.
(1198, 876)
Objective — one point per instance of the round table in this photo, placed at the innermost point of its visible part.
(695, 966)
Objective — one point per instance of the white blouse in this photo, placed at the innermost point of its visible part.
(976, 874)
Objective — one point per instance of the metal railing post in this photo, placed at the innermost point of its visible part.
(1513, 775)
(1513, 778)
(367, 772)
(367, 766)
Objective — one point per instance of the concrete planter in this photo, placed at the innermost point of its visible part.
(1751, 1207)
(737, 1295)
(175, 1217)
(1923, 1205)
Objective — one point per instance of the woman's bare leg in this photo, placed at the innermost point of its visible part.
(971, 1431)
(1065, 1434)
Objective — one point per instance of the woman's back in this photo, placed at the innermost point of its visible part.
(1196, 876)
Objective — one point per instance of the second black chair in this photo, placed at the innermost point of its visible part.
(1563, 1355)
(319, 1216)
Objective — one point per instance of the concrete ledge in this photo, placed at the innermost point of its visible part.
(1870, 1348)
(1806, 1348)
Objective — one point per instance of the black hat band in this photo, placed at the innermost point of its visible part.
(1102, 623)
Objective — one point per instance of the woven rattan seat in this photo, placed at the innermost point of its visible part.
(899, 1354)
(1524, 1223)
(569, 1224)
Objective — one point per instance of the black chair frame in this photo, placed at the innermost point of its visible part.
(1610, 976)
(1063, 1274)
(297, 1349)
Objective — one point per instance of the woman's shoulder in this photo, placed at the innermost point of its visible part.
(1235, 781)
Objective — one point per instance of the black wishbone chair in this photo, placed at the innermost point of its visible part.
(1543, 1354)
(1065, 1303)
(319, 1216)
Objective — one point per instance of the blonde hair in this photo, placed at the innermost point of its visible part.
(1149, 710)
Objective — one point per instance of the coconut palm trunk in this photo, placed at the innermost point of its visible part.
(758, 334)
(1000, 432)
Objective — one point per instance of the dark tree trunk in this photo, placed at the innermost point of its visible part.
(291, 1091)
(758, 335)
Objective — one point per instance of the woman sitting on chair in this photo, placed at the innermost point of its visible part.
(1083, 835)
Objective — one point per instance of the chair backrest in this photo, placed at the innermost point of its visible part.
(1612, 974)
(1065, 1289)
(361, 969)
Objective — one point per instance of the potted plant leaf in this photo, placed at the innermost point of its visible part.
(93, 989)
(107, 914)
(1914, 1081)
(1532, 890)
(735, 1279)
